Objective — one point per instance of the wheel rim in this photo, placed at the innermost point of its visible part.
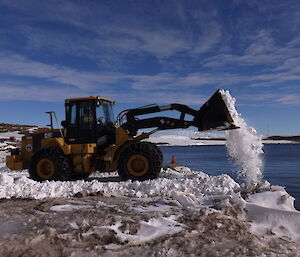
(137, 165)
(45, 168)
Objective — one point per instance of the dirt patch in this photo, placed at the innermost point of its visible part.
(85, 227)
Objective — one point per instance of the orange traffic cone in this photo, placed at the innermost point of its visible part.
(173, 159)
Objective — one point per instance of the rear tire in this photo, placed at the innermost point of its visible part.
(49, 164)
(139, 161)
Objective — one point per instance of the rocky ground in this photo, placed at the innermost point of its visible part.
(4, 127)
(95, 225)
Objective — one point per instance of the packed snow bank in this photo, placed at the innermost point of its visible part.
(186, 183)
(273, 213)
(244, 145)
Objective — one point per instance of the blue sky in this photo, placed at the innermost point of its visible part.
(141, 52)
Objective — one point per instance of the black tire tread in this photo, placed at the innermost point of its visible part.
(146, 149)
(156, 147)
(61, 162)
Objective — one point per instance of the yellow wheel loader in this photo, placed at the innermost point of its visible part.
(91, 140)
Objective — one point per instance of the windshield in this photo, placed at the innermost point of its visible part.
(105, 113)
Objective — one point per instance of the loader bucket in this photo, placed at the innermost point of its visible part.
(214, 115)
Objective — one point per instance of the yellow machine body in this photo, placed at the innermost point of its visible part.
(84, 157)
(90, 141)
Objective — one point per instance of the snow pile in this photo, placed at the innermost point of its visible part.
(244, 145)
(273, 213)
(190, 188)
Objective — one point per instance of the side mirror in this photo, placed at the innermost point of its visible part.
(64, 124)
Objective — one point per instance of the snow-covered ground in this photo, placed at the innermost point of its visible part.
(15, 134)
(166, 202)
(267, 207)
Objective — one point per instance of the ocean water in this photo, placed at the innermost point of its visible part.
(281, 163)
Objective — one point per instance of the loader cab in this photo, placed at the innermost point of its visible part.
(89, 120)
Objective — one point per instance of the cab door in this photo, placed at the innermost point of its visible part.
(81, 120)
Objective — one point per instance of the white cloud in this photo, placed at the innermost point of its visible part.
(22, 67)
(97, 29)
(17, 91)
(262, 43)
(161, 86)
(176, 40)
(289, 99)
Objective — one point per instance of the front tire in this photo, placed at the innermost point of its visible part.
(139, 161)
(49, 164)
(156, 148)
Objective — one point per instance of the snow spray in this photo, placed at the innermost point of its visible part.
(244, 146)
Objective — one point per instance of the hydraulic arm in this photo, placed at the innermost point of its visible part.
(213, 115)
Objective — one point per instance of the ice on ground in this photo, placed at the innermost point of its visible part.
(273, 213)
(68, 207)
(244, 145)
(148, 230)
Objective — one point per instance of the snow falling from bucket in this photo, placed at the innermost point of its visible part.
(244, 146)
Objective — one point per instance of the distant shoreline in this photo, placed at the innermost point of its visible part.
(5, 128)
(222, 141)
(295, 139)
